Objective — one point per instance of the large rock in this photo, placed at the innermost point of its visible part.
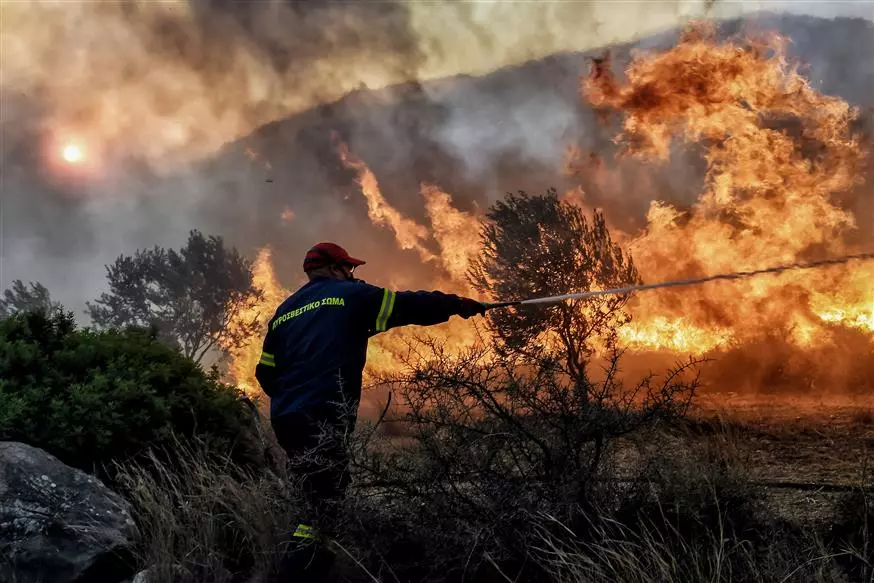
(59, 524)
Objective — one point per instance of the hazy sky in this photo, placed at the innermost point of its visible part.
(145, 88)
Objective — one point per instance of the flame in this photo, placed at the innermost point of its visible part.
(675, 335)
(777, 155)
(256, 157)
(241, 369)
(456, 232)
(385, 352)
(409, 234)
(452, 230)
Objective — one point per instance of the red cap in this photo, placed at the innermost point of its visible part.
(327, 254)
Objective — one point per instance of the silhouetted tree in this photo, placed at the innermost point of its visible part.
(19, 298)
(198, 298)
(538, 245)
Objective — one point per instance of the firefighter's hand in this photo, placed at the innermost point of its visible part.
(471, 308)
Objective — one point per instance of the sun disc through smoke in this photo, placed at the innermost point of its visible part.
(73, 153)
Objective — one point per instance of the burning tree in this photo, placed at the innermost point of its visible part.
(193, 296)
(514, 426)
(537, 246)
(782, 167)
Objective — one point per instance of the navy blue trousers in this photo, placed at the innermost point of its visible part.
(318, 460)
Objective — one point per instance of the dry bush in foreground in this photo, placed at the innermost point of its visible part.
(506, 473)
(492, 440)
(695, 514)
(649, 552)
(207, 518)
(852, 534)
(211, 521)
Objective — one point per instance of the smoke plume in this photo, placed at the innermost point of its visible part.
(143, 89)
(219, 115)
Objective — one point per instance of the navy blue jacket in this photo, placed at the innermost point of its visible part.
(316, 343)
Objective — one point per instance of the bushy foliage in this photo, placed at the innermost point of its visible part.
(91, 398)
(196, 297)
(34, 297)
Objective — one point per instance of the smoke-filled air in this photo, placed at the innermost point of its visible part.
(715, 139)
(782, 180)
(541, 291)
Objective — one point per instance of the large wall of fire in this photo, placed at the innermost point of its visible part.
(276, 124)
(783, 180)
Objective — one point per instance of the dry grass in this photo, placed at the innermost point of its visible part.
(696, 518)
(650, 553)
(207, 519)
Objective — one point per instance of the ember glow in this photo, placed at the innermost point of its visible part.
(779, 157)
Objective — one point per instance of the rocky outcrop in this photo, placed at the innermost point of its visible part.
(57, 523)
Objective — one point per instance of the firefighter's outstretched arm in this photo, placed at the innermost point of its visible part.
(423, 308)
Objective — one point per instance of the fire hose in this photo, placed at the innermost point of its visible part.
(684, 282)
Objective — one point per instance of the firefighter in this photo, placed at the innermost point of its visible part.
(311, 368)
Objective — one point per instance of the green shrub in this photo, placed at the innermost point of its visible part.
(93, 398)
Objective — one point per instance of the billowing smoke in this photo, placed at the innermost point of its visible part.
(140, 88)
(164, 80)
(171, 81)
(221, 115)
(143, 89)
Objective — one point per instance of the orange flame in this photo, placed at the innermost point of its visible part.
(452, 230)
(243, 360)
(456, 232)
(778, 152)
(777, 155)
(410, 235)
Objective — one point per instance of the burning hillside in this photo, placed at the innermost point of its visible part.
(779, 155)
(783, 170)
